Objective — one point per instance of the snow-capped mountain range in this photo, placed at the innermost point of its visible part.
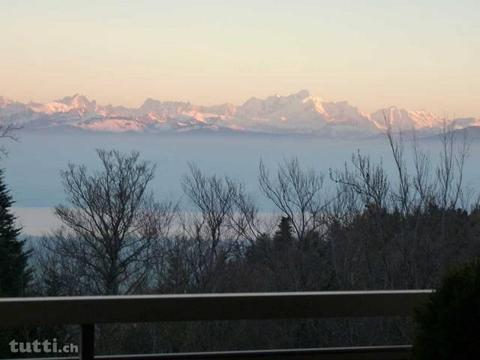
(299, 113)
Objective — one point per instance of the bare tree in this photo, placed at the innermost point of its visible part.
(365, 179)
(297, 193)
(111, 221)
(402, 196)
(208, 223)
(223, 220)
(8, 131)
(417, 190)
(449, 172)
(213, 197)
(65, 267)
(422, 182)
(245, 218)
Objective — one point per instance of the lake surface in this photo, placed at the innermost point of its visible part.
(34, 164)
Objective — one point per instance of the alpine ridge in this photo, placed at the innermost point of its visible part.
(298, 113)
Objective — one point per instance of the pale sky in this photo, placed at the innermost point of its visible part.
(422, 54)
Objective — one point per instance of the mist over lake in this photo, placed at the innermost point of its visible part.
(34, 163)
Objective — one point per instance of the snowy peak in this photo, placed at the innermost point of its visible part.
(297, 106)
(5, 102)
(299, 113)
(223, 110)
(302, 94)
(166, 108)
(76, 103)
(305, 113)
(405, 119)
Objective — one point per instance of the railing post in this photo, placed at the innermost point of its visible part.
(87, 341)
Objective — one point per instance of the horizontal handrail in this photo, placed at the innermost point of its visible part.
(206, 307)
(399, 352)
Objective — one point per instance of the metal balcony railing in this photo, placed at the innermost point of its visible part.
(87, 311)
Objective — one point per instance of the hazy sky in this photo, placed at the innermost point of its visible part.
(374, 53)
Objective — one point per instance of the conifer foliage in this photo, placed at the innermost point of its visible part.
(14, 272)
(448, 326)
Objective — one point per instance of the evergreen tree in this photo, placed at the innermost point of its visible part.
(447, 325)
(14, 272)
(283, 236)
